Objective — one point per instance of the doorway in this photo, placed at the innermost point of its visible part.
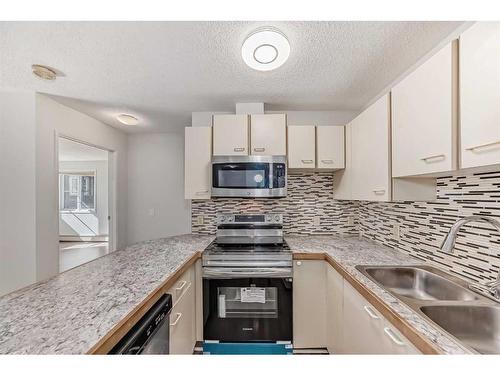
(84, 203)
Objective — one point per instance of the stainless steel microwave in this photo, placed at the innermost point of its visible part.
(249, 176)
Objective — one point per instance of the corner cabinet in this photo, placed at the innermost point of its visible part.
(301, 147)
(424, 117)
(231, 135)
(370, 157)
(480, 95)
(268, 134)
(197, 159)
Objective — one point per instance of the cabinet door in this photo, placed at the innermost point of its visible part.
(330, 147)
(197, 157)
(370, 175)
(363, 325)
(309, 304)
(342, 179)
(230, 135)
(268, 134)
(183, 324)
(480, 95)
(301, 146)
(424, 117)
(334, 303)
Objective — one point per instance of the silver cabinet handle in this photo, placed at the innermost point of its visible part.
(239, 149)
(259, 149)
(379, 191)
(327, 161)
(394, 337)
(483, 145)
(307, 161)
(201, 192)
(178, 317)
(181, 286)
(433, 157)
(369, 311)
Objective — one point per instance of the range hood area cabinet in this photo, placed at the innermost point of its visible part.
(231, 135)
(480, 95)
(260, 134)
(424, 117)
(197, 162)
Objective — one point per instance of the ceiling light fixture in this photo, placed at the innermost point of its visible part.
(127, 119)
(44, 72)
(265, 49)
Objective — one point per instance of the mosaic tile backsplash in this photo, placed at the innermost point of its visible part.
(310, 195)
(423, 225)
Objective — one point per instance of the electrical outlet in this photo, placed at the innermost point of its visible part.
(350, 220)
(200, 219)
(151, 212)
(396, 231)
(316, 221)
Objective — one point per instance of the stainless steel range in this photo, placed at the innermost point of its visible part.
(248, 246)
(247, 281)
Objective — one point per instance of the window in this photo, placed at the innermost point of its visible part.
(77, 191)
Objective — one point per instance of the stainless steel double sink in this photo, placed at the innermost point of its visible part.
(445, 300)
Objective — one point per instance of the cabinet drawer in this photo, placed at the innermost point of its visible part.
(182, 285)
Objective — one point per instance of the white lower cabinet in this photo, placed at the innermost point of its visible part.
(366, 331)
(309, 304)
(334, 306)
(183, 314)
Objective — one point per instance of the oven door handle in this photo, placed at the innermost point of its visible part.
(247, 272)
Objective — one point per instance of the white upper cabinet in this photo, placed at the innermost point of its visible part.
(480, 95)
(330, 147)
(424, 117)
(197, 158)
(370, 172)
(342, 179)
(230, 134)
(268, 134)
(301, 146)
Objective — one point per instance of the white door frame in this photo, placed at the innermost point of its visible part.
(112, 185)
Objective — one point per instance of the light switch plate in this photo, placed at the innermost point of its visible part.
(316, 221)
(350, 220)
(200, 219)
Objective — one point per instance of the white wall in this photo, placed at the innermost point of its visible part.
(156, 204)
(17, 190)
(93, 223)
(52, 118)
(318, 118)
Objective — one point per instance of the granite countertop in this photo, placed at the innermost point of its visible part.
(350, 251)
(71, 312)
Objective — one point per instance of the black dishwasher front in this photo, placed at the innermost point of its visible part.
(151, 334)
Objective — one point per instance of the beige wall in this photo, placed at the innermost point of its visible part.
(53, 118)
(17, 190)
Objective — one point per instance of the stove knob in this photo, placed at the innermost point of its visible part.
(230, 219)
(269, 218)
(222, 219)
(276, 218)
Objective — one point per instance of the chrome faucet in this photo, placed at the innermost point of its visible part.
(448, 246)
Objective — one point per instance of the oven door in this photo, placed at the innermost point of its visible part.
(247, 309)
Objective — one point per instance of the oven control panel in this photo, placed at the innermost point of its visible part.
(269, 218)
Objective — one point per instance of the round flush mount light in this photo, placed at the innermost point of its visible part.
(265, 49)
(127, 119)
(44, 72)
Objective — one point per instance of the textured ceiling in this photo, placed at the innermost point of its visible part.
(162, 71)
